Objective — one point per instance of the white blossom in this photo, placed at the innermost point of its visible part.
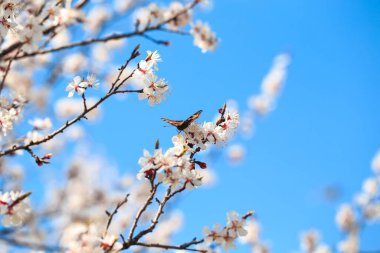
(76, 86)
(345, 218)
(204, 37)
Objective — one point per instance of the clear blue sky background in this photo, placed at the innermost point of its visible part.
(324, 131)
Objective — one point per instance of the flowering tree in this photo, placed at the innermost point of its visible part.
(82, 210)
(80, 217)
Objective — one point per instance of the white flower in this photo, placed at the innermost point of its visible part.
(16, 211)
(142, 18)
(10, 8)
(253, 236)
(261, 104)
(309, 240)
(204, 37)
(92, 82)
(41, 124)
(122, 6)
(4, 202)
(345, 218)
(210, 132)
(192, 179)
(155, 91)
(155, 11)
(180, 20)
(349, 245)
(236, 152)
(362, 199)
(170, 177)
(213, 235)
(110, 244)
(31, 34)
(145, 66)
(228, 240)
(33, 136)
(372, 211)
(153, 58)
(6, 24)
(195, 135)
(149, 164)
(236, 224)
(232, 119)
(77, 85)
(68, 15)
(273, 81)
(178, 140)
(96, 18)
(143, 69)
(370, 187)
(261, 248)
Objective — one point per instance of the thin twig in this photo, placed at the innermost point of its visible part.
(76, 119)
(7, 70)
(163, 246)
(84, 102)
(132, 240)
(111, 215)
(129, 91)
(157, 27)
(159, 42)
(45, 32)
(141, 211)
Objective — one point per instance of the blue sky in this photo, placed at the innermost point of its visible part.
(323, 132)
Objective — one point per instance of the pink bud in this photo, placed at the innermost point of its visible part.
(48, 156)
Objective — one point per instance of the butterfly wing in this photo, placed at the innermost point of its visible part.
(189, 120)
(183, 124)
(175, 123)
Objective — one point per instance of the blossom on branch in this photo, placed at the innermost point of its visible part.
(204, 37)
(14, 207)
(79, 85)
(227, 236)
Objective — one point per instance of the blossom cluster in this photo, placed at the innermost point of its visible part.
(154, 89)
(79, 85)
(81, 238)
(351, 217)
(177, 15)
(84, 189)
(153, 14)
(226, 236)
(174, 168)
(270, 86)
(10, 112)
(177, 167)
(204, 37)
(253, 237)
(39, 127)
(260, 104)
(14, 207)
(366, 208)
(310, 242)
(18, 17)
(8, 12)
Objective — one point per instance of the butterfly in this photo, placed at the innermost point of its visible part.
(183, 124)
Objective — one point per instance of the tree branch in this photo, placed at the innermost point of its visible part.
(111, 215)
(158, 27)
(162, 246)
(7, 69)
(114, 88)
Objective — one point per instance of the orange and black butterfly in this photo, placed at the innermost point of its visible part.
(183, 124)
